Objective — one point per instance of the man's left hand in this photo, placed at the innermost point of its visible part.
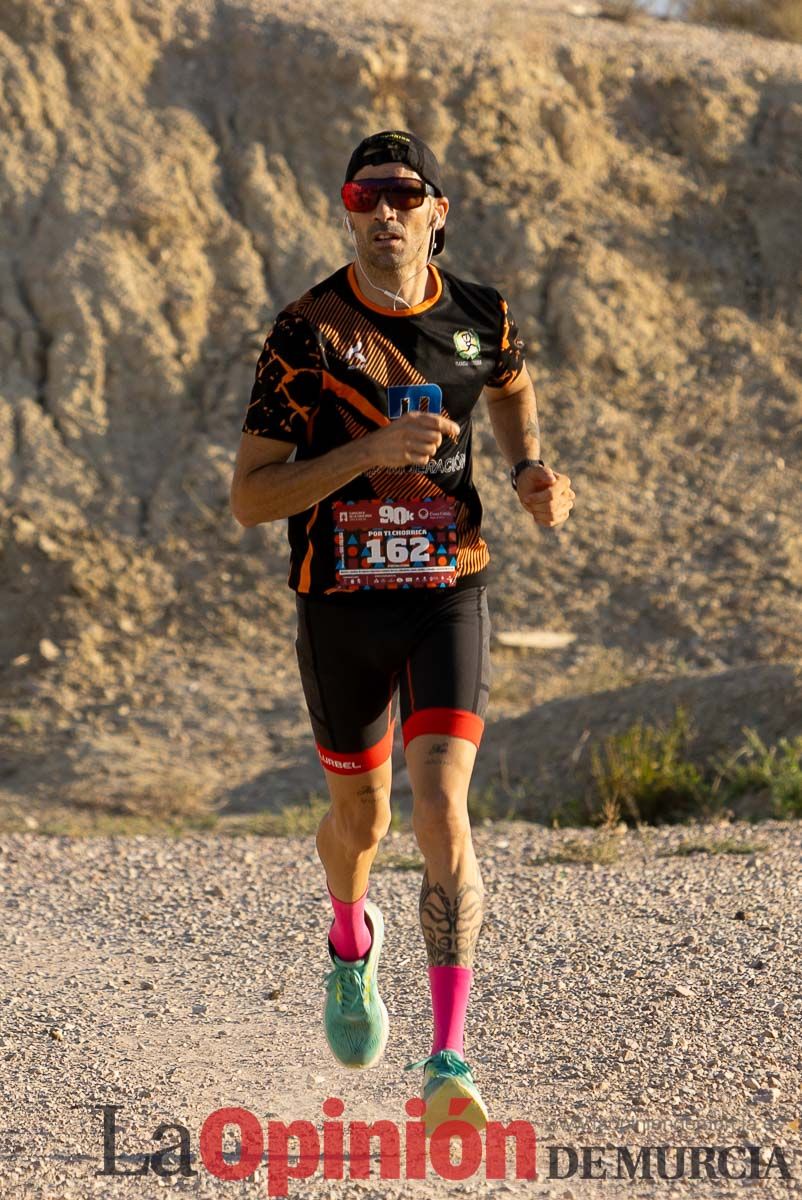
(546, 494)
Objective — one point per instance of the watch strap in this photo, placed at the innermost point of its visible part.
(519, 466)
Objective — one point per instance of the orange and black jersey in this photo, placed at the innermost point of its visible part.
(335, 367)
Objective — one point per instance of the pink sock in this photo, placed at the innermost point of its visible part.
(349, 932)
(450, 989)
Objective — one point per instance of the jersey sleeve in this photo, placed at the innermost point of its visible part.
(287, 384)
(511, 350)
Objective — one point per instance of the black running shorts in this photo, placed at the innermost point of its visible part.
(357, 654)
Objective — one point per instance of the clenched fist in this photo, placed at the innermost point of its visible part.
(546, 494)
(411, 440)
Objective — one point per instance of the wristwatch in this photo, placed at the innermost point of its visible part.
(519, 466)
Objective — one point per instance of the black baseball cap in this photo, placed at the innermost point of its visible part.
(396, 145)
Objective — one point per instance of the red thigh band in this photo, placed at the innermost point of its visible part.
(358, 760)
(452, 722)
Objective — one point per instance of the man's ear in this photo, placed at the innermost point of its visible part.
(440, 209)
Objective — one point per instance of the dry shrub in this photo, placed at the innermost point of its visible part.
(772, 18)
(171, 796)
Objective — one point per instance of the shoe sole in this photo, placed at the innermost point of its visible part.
(466, 1107)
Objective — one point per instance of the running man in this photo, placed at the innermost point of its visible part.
(371, 378)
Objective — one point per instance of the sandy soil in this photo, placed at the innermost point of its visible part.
(649, 999)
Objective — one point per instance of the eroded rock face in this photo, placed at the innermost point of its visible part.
(169, 177)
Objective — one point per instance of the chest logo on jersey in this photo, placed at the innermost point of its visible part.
(355, 356)
(413, 397)
(467, 345)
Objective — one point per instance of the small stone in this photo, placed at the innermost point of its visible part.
(49, 650)
(741, 915)
(680, 989)
(21, 660)
(57, 1035)
(199, 1009)
(147, 986)
(538, 639)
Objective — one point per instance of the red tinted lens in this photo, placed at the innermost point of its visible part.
(363, 195)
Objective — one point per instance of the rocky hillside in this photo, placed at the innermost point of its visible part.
(169, 176)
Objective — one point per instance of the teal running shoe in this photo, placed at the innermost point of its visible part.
(355, 1017)
(450, 1091)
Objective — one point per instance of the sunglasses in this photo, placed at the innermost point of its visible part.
(363, 195)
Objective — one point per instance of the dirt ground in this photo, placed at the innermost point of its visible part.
(646, 997)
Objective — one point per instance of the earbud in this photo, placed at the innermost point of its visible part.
(347, 223)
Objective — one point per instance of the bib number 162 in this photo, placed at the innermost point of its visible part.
(397, 550)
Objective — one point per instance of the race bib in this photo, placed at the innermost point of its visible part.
(395, 544)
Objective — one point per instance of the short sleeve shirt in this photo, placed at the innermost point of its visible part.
(334, 367)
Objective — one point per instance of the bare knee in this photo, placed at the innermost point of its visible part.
(441, 825)
(360, 822)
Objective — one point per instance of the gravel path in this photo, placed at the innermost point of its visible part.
(652, 1000)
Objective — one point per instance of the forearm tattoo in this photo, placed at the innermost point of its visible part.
(451, 925)
(532, 429)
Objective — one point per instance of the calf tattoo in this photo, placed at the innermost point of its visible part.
(451, 924)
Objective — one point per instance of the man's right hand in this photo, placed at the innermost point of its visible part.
(410, 440)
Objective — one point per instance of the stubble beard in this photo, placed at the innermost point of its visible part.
(391, 268)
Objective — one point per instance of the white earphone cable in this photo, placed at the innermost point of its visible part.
(394, 296)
